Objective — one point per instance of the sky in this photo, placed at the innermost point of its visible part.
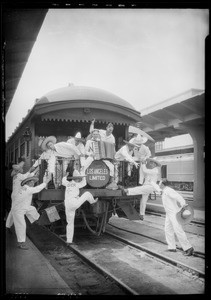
(144, 56)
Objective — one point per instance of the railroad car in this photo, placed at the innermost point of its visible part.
(178, 169)
(62, 113)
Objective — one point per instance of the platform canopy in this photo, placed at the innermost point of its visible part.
(20, 29)
(164, 119)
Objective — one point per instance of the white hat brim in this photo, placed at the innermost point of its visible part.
(136, 130)
(155, 161)
(33, 178)
(47, 140)
(144, 140)
(131, 144)
(183, 221)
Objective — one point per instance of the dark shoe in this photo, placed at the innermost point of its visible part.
(141, 217)
(22, 246)
(189, 252)
(70, 244)
(172, 250)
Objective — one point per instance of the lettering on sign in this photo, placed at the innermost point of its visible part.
(97, 171)
(98, 174)
(97, 178)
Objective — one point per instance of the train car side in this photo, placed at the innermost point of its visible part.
(179, 171)
(62, 113)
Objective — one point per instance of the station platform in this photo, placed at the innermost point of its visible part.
(29, 272)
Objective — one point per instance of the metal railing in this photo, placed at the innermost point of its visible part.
(125, 173)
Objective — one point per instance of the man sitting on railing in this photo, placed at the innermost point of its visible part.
(51, 150)
(141, 153)
(78, 141)
(126, 153)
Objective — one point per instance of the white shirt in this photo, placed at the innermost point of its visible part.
(16, 183)
(124, 154)
(151, 175)
(50, 156)
(106, 138)
(170, 199)
(80, 145)
(63, 149)
(141, 153)
(72, 187)
(23, 199)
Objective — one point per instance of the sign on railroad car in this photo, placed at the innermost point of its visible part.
(98, 174)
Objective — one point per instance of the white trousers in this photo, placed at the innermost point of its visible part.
(143, 190)
(18, 217)
(70, 207)
(141, 175)
(172, 227)
(9, 221)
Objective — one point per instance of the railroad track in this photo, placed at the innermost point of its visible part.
(197, 222)
(99, 252)
(196, 253)
(164, 258)
(96, 281)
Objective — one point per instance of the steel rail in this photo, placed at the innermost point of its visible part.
(160, 214)
(96, 266)
(196, 253)
(159, 256)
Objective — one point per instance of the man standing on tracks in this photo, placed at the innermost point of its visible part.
(73, 182)
(150, 169)
(21, 206)
(170, 198)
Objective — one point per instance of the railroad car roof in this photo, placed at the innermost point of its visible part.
(66, 103)
(73, 92)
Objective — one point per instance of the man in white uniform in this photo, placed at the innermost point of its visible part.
(21, 206)
(171, 199)
(90, 152)
(77, 141)
(126, 153)
(51, 150)
(150, 184)
(106, 135)
(17, 177)
(73, 201)
(141, 153)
